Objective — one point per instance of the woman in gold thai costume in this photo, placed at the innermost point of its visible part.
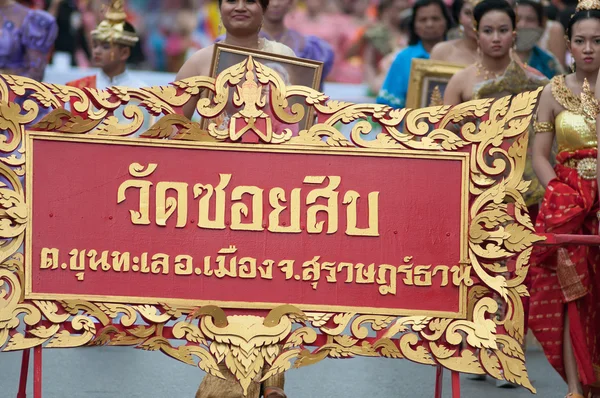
(565, 293)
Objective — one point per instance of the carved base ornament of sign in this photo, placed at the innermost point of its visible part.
(260, 247)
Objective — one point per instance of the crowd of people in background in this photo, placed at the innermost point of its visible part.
(364, 35)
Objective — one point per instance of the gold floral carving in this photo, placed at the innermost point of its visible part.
(494, 133)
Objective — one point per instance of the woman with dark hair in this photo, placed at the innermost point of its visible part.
(243, 21)
(530, 28)
(463, 50)
(497, 73)
(495, 23)
(565, 293)
(429, 24)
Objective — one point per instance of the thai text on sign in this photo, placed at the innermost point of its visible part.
(238, 224)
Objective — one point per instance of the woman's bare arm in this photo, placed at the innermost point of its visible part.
(544, 138)
(557, 44)
(197, 65)
(453, 93)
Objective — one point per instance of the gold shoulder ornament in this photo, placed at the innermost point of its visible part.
(543, 127)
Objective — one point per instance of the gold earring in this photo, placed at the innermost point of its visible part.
(572, 66)
(221, 27)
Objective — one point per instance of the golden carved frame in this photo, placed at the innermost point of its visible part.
(422, 70)
(492, 132)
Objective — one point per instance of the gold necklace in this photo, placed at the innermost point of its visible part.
(485, 72)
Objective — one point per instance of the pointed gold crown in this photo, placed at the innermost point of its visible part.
(587, 5)
(112, 28)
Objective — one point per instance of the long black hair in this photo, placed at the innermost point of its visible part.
(494, 5)
(580, 16)
(414, 39)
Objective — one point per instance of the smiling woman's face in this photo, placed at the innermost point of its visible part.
(242, 17)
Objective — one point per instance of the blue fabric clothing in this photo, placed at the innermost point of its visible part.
(544, 62)
(394, 89)
(26, 38)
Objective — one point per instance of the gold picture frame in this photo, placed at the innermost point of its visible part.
(428, 81)
(293, 72)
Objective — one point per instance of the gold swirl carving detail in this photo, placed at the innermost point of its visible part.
(492, 133)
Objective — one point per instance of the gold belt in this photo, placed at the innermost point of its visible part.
(586, 167)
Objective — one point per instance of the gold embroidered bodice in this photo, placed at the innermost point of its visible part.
(575, 127)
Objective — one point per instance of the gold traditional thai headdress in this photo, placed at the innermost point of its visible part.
(112, 28)
(588, 5)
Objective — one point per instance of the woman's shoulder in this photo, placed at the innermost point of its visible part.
(468, 71)
(275, 47)
(445, 45)
(40, 18)
(556, 88)
(555, 28)
(198, 64)
(441, 50)
(39, 30)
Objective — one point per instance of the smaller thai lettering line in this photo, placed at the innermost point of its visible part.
(227, 263)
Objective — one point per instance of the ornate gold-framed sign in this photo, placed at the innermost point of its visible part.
(428, 81)
(259, 256)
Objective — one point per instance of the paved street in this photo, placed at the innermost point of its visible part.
(127, 372)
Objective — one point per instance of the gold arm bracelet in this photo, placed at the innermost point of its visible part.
(543, 127)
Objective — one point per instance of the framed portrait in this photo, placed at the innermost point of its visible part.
(293, 71)
(428, 81)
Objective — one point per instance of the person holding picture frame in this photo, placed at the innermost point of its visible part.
(243, 20)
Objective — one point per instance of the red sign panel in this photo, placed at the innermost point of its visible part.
(247, 226)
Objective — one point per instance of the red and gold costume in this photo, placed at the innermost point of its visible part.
(566, 282)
